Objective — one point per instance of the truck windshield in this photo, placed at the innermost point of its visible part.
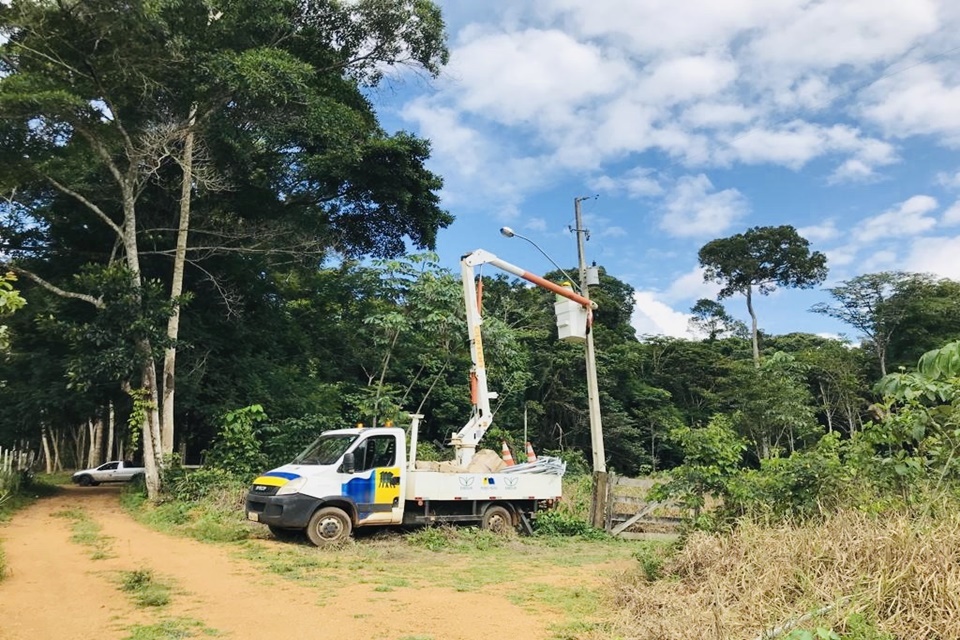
(325, 450)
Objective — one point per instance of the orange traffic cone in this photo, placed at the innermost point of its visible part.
(531, 456)
(506, 455)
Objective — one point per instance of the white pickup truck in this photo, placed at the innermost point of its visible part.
(115, 471)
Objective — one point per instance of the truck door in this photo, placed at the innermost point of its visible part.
(374, 485)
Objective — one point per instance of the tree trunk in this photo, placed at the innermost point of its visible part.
(826, 408)
(152, 454)
(90, 451)
(97, 448)
(176, 287)
(55, 437)
(753, 327)
(111, 418)
(44, 440)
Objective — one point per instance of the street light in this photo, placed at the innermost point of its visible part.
(598, 502)
(510, 233)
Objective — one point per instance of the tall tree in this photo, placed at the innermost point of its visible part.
(763, 258)
(103, 104)
(865, 304)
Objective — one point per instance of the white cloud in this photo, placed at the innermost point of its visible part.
(653, 317)
(691, 287)
(879, 260)
(636, 183)
(841, 256)
(719, 115)
(532, 74)
(693, 208)
(935, 255)
(951, 216)
(796, 143)
(920, 101)
(949, 180)
(613, 232)
(684, 78)
(827, 34)
(820, 232)
(655, 26)
(535, 224)
(908, 218)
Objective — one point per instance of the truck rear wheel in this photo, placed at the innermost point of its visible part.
(330, 525)
(497, 519)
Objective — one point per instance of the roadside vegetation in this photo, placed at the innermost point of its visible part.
(849, 539)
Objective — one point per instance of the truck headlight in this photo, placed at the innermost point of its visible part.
(293, 486)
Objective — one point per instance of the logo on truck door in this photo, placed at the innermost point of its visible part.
(387, 480)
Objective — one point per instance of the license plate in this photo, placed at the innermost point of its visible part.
(253, 516)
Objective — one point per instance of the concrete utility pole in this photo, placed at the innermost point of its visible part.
(599, 501)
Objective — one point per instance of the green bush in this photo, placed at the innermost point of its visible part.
(802, 485)
(562, 523)
(194, 485)
(236, 448)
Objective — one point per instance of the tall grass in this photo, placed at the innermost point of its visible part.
(861, 576)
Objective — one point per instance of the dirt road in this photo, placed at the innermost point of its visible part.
(57, 588)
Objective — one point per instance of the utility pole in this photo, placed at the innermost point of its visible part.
(599, 501)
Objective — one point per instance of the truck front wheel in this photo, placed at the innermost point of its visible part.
(329, 525)
(497, 519)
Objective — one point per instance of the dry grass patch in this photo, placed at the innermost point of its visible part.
(861, 576)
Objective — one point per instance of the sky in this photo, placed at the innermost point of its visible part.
(690, 120)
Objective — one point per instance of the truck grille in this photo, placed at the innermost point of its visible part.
(263, 490)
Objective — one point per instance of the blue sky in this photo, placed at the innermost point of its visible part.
(693, 120)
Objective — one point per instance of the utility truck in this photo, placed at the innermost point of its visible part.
(362, 477)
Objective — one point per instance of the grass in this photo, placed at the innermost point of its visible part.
(172, 629)
(218, 518)
(86, 532)
(27, 493)
(145, 589)
(862, 577)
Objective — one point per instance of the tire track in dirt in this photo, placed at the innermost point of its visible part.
(55, 590)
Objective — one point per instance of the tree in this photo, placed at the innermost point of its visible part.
(134, 111)
(10, 301)
(765, 258)
(865, 303)
(771, 405)
(900, 314)
(711, 319)
(930, 309)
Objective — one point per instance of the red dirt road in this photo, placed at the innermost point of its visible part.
(54, 589)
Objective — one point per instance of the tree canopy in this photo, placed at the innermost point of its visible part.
(765, 258)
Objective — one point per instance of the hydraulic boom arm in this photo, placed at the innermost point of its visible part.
(466, 439)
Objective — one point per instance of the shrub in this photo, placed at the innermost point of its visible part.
(236, 449)
(562, 523)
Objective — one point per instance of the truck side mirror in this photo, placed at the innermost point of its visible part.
(349, 465)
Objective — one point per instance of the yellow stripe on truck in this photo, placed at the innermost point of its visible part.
(271, 481)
